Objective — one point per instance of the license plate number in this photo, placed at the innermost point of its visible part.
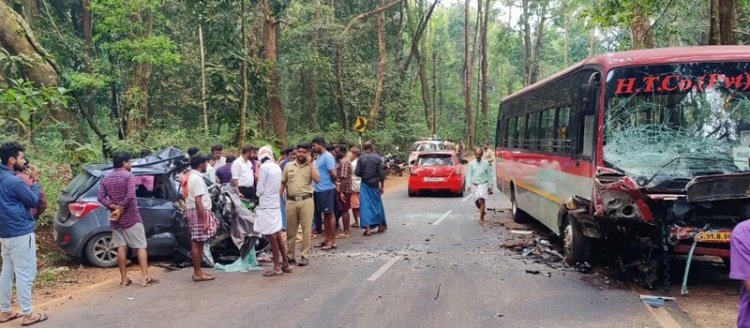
(432, 179)
(714, 237)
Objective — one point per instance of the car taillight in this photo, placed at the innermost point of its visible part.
(81, 209)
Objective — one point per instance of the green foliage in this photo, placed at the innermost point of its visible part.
(22, 100)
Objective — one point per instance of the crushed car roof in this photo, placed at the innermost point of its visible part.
(161, 162)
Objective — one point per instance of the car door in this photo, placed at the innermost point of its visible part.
(155, 203)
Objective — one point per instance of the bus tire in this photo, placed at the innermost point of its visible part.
(576, 246)
(519, 216)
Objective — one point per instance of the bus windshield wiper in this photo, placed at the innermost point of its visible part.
(681, 157)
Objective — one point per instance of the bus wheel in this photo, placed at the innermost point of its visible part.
(519, 216)
(576, 246)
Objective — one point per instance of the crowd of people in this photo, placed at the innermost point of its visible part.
(307, 193)
(304, 193)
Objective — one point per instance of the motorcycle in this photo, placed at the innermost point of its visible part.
(393, 165)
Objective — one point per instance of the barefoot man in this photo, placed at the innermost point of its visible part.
(269, 222)
(478, 181)
(201, 220)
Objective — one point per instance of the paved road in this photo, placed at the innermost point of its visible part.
(435, 267)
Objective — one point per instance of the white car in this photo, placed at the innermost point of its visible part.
(424, 146)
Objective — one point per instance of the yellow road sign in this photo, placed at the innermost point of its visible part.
(360, 124)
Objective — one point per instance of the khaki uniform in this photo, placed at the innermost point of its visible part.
(300, 207)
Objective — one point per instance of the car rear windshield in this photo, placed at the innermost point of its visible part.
(80, 184)
(436, 160)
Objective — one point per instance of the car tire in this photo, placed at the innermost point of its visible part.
(411, 193)
(99, 251)
(576, 246)
(460, 193)
(519, 216)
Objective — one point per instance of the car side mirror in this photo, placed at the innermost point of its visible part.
(412, 162)
(464, 162)
(587, 95)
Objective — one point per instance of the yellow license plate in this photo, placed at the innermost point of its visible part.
(714, 237)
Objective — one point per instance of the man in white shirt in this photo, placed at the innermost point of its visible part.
(243, 176)
(203, 224)
(211, 169)
(269, 222)
(218, 152)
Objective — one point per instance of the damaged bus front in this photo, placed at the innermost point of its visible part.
(675, 142)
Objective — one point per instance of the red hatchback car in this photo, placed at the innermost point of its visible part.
(437, 171)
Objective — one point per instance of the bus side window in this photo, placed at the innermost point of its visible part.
(547, 129)
(533, 141)
(511, 139)
(562, 122)
(522, 132)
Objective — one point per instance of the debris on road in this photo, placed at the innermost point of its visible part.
(532, 271)
(521, 232)
(655, 301)
(438, 290)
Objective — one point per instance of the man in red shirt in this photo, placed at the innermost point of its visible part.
(117, 193)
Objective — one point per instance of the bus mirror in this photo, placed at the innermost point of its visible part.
(587, 95)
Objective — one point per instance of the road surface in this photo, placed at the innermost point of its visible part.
(434, 267)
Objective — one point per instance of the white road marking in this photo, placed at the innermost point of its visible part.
(466, 198)
(383, 269)
(443, 217)
(665, 319)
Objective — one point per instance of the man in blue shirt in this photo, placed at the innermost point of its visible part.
(17, 234)
(325, 192)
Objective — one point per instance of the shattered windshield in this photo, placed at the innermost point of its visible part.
(680, 120)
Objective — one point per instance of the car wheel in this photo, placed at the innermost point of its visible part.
(460, 193)
(411, 193)
(99, 251)
(576, 246)
(519, 216)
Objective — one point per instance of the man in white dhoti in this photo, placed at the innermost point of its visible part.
(269, 210)
(479, 181)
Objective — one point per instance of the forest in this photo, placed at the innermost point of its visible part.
(80, 79)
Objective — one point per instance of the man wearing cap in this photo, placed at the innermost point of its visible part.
(297, 180)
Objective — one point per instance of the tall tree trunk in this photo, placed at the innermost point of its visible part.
(723, 22)
(484, 69)
(467, 76)
(274, 99)
(339, 89)
(640, 29)
(245, 87)
(375, 111)
(566, 35)
(204, 98)
(434, 92)
(17, 38)
(535, 72)
(425, 90)
(592, 41)
(527, 62)
(714, 27)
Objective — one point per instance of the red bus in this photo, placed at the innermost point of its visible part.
(641, 149)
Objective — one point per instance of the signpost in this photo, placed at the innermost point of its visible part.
(360, 125)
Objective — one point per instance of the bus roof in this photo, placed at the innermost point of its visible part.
(650, 56)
